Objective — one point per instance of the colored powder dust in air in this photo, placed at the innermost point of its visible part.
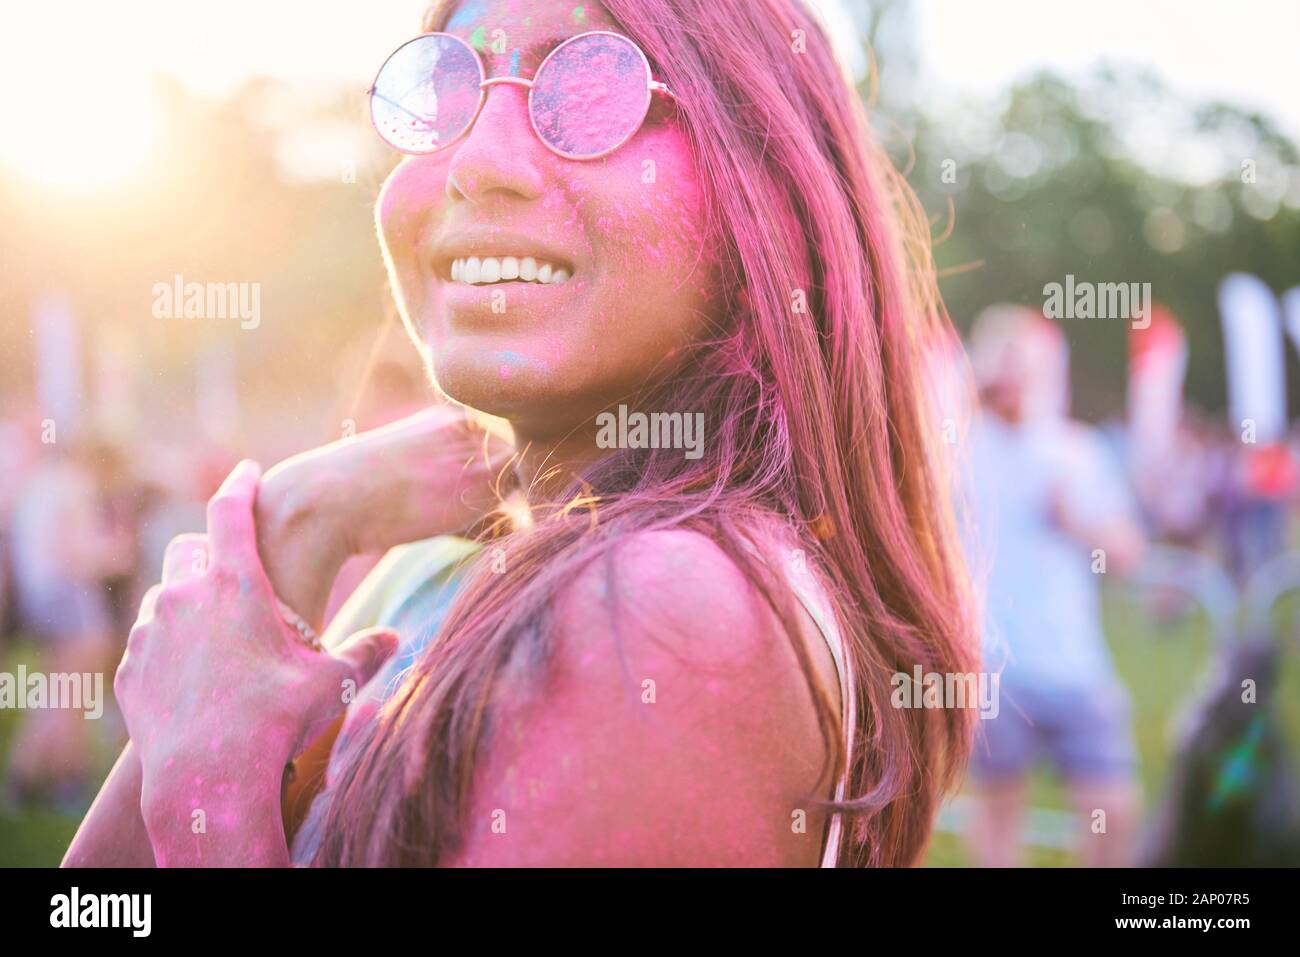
(514, 62)
(580, 16)
(476, 38)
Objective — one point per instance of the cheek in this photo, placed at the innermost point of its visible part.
(413, 198)
(652, 231)
(655, 201)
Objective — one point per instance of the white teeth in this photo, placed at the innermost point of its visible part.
(492, 269)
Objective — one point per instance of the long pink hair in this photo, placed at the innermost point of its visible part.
(817, 418)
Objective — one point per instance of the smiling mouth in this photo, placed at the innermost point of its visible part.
(496, 270)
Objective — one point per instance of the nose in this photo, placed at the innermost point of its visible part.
(500, 155)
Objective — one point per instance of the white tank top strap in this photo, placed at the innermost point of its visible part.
(814, 600)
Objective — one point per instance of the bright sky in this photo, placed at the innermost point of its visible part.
(74, 74)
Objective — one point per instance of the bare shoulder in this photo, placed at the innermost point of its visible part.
(674, 724)
(674, 592)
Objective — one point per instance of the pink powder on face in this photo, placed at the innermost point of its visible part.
(630, 222)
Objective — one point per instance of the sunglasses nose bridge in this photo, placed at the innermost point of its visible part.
(486, 85)
(525, 84)
(485, 104)
(511, 80)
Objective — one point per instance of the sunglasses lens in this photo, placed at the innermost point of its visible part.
(591, 95)
(426, 94)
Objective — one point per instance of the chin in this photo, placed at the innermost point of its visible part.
(509, 383)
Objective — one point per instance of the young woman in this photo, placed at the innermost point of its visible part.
(651, 655)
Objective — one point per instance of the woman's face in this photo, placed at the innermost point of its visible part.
(628, 229)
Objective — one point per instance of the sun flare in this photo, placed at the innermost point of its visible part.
(79, 110)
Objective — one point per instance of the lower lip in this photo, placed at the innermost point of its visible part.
(499, 302)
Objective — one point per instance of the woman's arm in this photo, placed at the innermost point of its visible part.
(236, 824)
(365, 494)
(113, 832)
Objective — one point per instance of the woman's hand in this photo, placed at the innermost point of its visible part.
(432, 473)
(219, 693)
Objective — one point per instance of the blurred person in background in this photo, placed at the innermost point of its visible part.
(182, 474)
(125, 501)
(16, 456)
(1182, 500)
(64, 550)
(1050, 514)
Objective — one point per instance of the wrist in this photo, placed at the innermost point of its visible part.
(202, 815)
(302, 537)
(298, 503)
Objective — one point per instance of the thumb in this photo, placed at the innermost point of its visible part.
(366, 652)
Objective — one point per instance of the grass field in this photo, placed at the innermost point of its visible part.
(1163, 667)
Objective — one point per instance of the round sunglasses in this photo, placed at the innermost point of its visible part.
(588, 97)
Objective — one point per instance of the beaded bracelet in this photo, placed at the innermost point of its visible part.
(295, 621)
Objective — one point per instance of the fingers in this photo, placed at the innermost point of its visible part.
(344, 672)
(366, 652)
(186, 557)
(231, 536)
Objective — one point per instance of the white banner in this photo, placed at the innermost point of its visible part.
(1253, 354)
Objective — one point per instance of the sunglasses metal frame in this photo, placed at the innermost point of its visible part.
(485, 83)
